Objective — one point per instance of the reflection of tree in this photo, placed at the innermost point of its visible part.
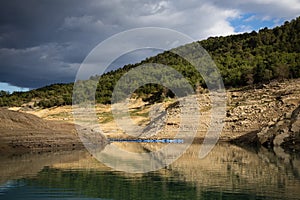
(228, 172)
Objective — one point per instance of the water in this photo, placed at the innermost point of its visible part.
(228, 172)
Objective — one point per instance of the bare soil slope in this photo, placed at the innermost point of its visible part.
(23, 132)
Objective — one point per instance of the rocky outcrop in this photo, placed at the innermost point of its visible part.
(284, 132)
(260, 107)
(158, 116)
(256, 115)
(251, 112)
(292, 141)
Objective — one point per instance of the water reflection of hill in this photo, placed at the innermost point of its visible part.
(231, 168)
(227, 169)
(234, 169)
(28, 165)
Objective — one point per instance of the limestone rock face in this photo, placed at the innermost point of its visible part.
(292, 142)
(285, 133)
(276, 133)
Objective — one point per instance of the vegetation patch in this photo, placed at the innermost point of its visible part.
(246, 59)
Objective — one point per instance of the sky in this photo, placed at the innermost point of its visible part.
(45, 41)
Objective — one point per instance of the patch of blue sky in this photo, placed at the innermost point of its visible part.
(250, 21)
(10, 88)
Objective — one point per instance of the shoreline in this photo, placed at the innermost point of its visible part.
(266, 112)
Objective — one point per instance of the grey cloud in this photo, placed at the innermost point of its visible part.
(44, 41)
(32, 66)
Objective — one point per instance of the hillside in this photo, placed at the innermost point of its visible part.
(22, 132)
(265, 115)
(244, 59)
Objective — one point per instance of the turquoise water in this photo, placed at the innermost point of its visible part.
(228, 172)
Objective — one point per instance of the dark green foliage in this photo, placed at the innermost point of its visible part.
(110, 185)
(46, 97)
(243, 59)
(257, 57)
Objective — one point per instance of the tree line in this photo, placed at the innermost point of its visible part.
(243, 59)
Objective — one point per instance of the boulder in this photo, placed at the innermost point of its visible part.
(283, 132)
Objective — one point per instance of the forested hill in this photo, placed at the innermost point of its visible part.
(243, 59)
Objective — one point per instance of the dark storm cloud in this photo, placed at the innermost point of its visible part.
(44, 41)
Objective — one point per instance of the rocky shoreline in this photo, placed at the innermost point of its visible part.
(262, 115)
(284, 133)
(273, 119)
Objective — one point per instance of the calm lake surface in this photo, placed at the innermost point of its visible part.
(228, 172)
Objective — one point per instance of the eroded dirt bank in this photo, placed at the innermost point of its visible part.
(22, 132)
